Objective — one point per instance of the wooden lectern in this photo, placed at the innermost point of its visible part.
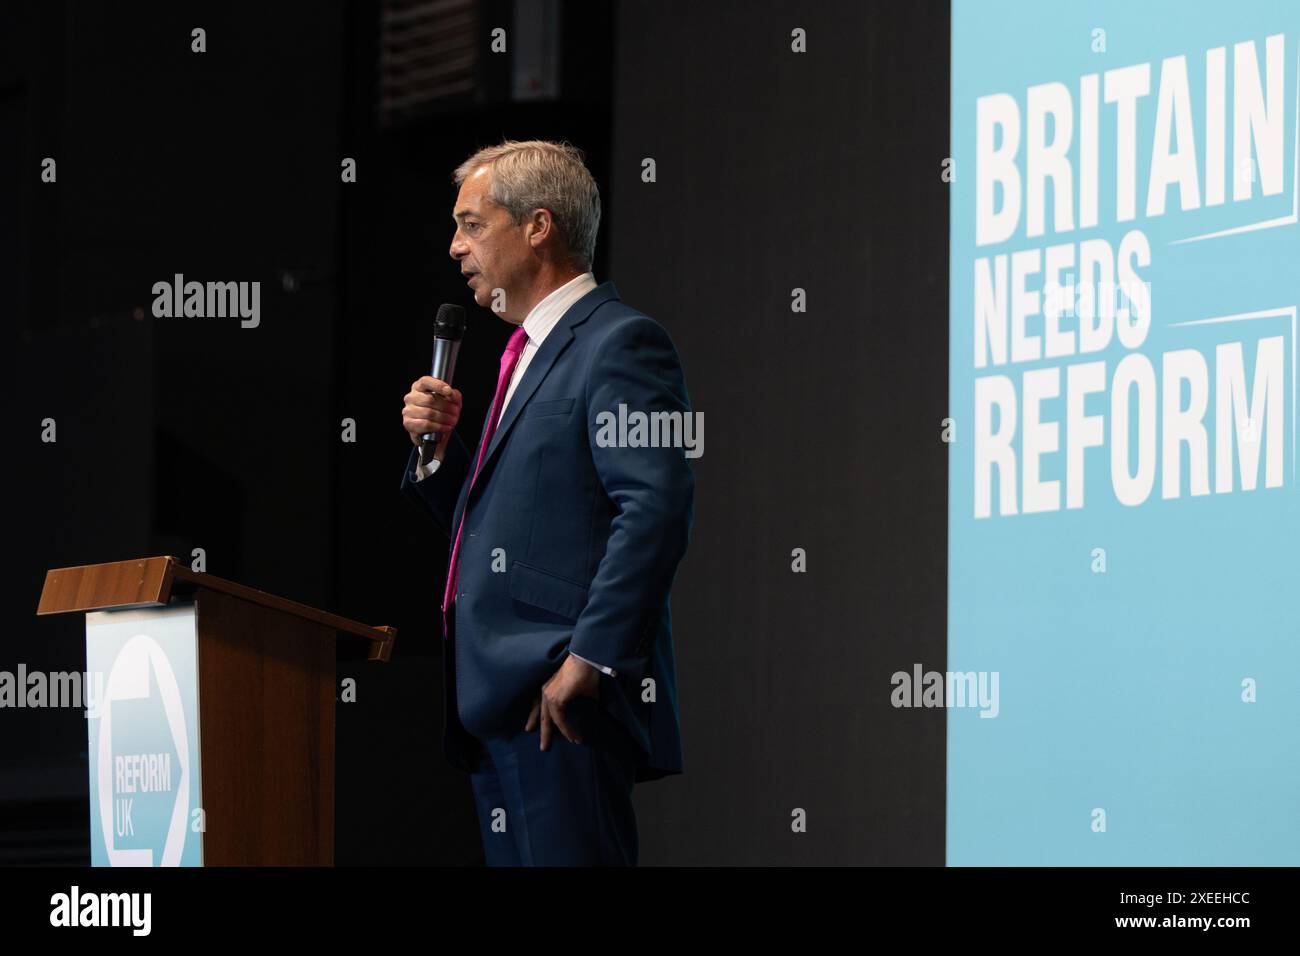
(213, 742)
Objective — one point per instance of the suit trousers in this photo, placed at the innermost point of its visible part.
(568, 805)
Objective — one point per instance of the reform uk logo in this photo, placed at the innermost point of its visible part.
(143, 782)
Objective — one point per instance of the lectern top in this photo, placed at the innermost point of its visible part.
(150, 582)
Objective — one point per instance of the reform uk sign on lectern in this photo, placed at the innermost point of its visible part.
(212, 741)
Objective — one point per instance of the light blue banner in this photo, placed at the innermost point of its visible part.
(145, 788)
(1123, 510)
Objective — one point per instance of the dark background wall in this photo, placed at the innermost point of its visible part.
(775, 170)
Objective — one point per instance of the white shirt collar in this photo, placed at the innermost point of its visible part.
(550, 310)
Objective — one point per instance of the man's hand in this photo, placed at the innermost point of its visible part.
(575, 678)
(431, 406)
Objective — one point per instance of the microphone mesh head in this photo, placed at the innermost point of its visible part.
(450, 323)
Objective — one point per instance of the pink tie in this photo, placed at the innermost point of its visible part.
(509, 359)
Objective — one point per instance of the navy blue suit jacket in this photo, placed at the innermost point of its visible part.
(589, 536)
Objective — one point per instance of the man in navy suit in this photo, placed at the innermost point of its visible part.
(564, 539)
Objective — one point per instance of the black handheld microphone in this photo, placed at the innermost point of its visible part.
(448, 330)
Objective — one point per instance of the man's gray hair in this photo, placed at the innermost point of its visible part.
(533, 173)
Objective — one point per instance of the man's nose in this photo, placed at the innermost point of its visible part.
(458, 249)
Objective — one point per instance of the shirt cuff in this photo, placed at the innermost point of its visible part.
(599, 667)
(421, 472)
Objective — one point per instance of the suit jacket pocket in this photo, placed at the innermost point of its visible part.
(560, 406)
(545, 590)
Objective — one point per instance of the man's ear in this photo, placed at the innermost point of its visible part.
(540, 225)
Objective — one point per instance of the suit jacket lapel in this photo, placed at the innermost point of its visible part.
(465, 486)
(552, 347)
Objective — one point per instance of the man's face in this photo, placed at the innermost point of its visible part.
(493, 252)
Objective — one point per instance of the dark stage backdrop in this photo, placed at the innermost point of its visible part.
(818, 171)
(775, 170)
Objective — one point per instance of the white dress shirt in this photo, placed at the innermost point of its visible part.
(537, 325)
